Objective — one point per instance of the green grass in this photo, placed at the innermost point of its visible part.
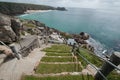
(90, 57)
(57, 59)
(113, 76)
(58, 54)
(30, 25)
(65, 77)
(64, 50)
(55, 68)
(61, 48)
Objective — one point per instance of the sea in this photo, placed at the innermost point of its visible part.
(102, 24)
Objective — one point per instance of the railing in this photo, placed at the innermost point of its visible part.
(99, 72)
(26, 50)
(4, 44)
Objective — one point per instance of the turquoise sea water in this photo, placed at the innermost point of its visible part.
(102, 25)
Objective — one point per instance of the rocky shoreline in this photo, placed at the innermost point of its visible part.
(12, 29)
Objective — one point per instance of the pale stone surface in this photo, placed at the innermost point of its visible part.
(14, 69)
(5, 50)
(117, 54)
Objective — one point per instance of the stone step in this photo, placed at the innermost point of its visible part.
(92, 70)
(56, 74)
(59, 56)
(61, 63)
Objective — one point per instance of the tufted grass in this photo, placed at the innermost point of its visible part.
(57, 59)
(58, 54)
(56, 68)
(61, 48)
(63, 77)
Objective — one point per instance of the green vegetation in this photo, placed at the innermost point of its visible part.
(47, 68)
(90, 57)
(29, 25)
(113, 76)
(65, 77)
(66, 36)
(22, 32)
(64, 50)
(57, 54)
(11, 8)
(58, 49)
(55, 68)
(57, 59)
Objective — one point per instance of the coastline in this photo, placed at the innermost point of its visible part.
(34, 11)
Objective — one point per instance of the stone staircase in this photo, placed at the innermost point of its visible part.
(76, 71)
(59, 65)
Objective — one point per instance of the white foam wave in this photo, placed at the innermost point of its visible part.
(24, 15)
(98, 47)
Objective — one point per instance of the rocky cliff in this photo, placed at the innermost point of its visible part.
(10, 8)
(6, 32)
(19, 8)
(9, 28)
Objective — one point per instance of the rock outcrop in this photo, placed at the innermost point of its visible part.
(84, 36)
(7, 35)
(81, 40)
(61, 8)
(16, 25)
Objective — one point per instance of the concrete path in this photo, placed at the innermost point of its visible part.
(14, 69)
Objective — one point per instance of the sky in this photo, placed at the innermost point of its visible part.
(74, 3)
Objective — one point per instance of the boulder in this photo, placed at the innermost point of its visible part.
(84, 36)
(81, 41)
(5, 50)
(37, 23)
(7, 35)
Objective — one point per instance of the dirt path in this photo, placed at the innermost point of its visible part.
(14, 69)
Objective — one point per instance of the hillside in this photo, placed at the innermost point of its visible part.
(19, 8)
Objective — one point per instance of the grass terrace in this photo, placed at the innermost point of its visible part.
(57, 59)
(52, 63)
(55, 68)
(57, 50)
(65, 77)
(90, 57)
(113, 76)
(57, 54)
(61, 48)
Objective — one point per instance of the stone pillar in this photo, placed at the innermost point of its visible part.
(107, 68)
